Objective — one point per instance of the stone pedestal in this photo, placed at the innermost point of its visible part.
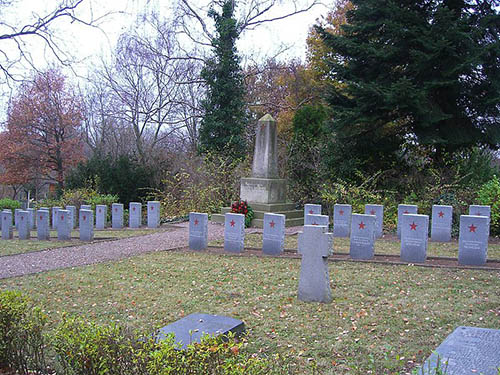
(263, 190)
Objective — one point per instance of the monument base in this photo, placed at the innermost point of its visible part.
(263, 190)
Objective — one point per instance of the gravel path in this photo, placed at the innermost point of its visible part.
(28, 263)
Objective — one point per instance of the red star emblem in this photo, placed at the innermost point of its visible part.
(116, 209)
(472, 228)
(22, 218)
(272, 224)
(362, 225)
(133, 208)
(84, 217)
(311, 212)
(372, 212)
(341, 212)
(406, 212)
(478, 214)
(99, 210)
(41, 218)
(441, 214)
(62, 217)
(152, 208)
(232, 223)
(196, 221)
(413, 226)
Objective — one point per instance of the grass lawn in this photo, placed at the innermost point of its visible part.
(382, 246)
(17, 246)
(383, 320)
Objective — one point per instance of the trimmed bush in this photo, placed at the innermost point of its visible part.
(7, 203)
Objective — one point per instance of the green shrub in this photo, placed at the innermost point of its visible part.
(489, 195)
(7, 203)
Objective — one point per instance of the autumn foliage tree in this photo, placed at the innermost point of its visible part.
(42, 140)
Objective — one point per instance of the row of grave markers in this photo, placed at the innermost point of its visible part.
(63, 221)
(473, 239)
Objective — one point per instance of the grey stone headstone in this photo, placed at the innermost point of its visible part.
(72, 216)
(414, 238)
(315, 246)
(192, 328)
(55, 217)
(134, 215)
(362, 236)
(31, 217)
(43, 209)
(466, 351)
(442, 217)
(63, 225)
(473, 240)
(86, 207)
(16, 217)
(273, 240)
(311, 209)
(153, 214)
(198, 231)
(321, 220)
(7, 230)
(86, 222)
(404, 209)
(23, 225)
(101, 212)
(234, 232)
(378, 211)
(342, 220)
(117, 216)
(43, 225)
(478, 210)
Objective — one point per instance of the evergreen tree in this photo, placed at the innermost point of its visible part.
(222, 127)
(424, 73)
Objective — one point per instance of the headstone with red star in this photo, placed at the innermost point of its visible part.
(198, 231)
(273, 241)
(315, 246)
(378, 211)
(153, 214)
(342, 220)
(31, 217)
(479, 210)
(134, 215)
(72, 215)
(86, 222)
(473, 240)
(86, 207)
(117, 216)
(311, 209)
(55, 217)
(16, 218)
(319, 220)
(362, 244)
(43, 209)
(42, 225)
(101, 213)
(404, 209)
(23, 226)
(234, 232)
(63, 225)
(441, 223)
(7, 229)
(414, 238)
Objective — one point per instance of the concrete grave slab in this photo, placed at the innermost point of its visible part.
(86, 222)
(55, 216)
(362, 244)
(23, 225)
(117, 215)
(378, 211)
(473, 240)
(43, 225)
(273, 240)
(198, 231)
(321, 220)
(31, 218)
(63, 225)
(404, 209)
(414, 238)
(72, 216)
(311, 209)
(234, 233)
(101, 214)
(135, 215)
(7, 229)
(478, 210)
(153, 214)
(342, 220)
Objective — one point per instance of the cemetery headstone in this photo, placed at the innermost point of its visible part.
(362, 244)
(86, 222)
(101, 212)
(7, 230)
(135, 215)
(43, 225)
(198, 231)
(414, 238)
(378, 211)
(342, 220)
(16, 217)
(55, 217)
(473, 240)
(23, 226)
(72, 216)
(86, 207)
(315, 246)
(405, 209)
(311, 209)
(234, 232)
(442, 217)
(321, 220)
(117, 216)
(31, 218)
(273, 241)
(478, 210)
(63, 225)
(466, 351)
(153, 214)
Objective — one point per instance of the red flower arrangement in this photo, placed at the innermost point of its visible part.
(242, 207)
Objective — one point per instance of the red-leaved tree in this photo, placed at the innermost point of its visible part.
(43, 136)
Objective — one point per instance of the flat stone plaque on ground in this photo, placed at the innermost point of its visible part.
(362, 236)
(315, 246)
(43, 225)
(101, 212)
(117, 216)
(321, 220)
(54, 217)
(31, 217)
(441, 223)
(466, 351)
(311, 209)
(72, 216)
(86, 222)
(473, 240)
(23, 226)
(63, 225)
(404, 209)
(198, 231)
(414, 238)
(273, 240)
(193, 327)
(234, 232)
(477, 210)
(7, 230)
(153, 214)
(378, 211)
(134, 215)
(342, 220)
